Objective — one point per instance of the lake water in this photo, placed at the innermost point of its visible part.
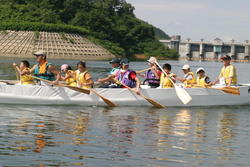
(41, 136)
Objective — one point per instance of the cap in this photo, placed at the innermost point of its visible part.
(64, 66)
(200, 69)
(152, 60)
(186, 67)
(125, 61)
(115, 60)
(226, 57)
(40, 53)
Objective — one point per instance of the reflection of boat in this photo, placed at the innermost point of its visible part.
(24, 94)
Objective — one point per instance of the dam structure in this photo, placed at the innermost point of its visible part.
(57, 45)
(208, 50)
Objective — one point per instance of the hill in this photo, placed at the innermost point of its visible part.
(111, 23)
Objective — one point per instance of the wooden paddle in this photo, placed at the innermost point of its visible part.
(86, 91)
(141, 71)
(181, 92)
(230, 90)
(154, 103)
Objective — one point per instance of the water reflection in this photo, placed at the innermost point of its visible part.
(72, 136)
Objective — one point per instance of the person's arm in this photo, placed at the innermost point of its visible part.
(53, 70)
(231, 75)
(89, 80)
(25, 72)
(138, 84)
(17, 68)
(32, 70)
(108, 78)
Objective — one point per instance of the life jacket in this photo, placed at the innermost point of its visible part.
(114, 71)
(43, 72)
(165, 81)
(150, 75)
(80, 79)
(190, 82)
(226, 72)
(72, 80)
(26, 79)
(124, 78)
(201, 81)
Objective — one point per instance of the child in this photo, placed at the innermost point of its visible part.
(24, 72)
(70, 75)
(165, 81)
(202, 80)
(83, 78)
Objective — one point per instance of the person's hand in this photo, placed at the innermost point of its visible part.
(55, 82)
(14, 64)
(99, 80)
(137, 91)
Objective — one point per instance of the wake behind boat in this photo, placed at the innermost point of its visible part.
(51, 95)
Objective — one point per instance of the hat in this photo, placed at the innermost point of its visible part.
(152, 60)
(186, 67)
(64, 66)
(200, 69)
(115, 60)
(40, 53)
(125, 61)
(226, 57)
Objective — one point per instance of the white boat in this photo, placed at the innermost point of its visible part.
(47, 95)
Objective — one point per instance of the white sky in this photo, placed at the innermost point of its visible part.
(196, 19)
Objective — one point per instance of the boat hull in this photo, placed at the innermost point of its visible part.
(45, 95)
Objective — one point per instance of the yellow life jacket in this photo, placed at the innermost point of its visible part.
(165, 81)
(80, 79)
(26, 79)
(227, 71)
(191, 81)
(201, 81)
(72, 80)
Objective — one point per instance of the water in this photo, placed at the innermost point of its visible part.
(132, 136)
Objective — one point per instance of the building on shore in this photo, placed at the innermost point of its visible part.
(57, 45)
(208, 50)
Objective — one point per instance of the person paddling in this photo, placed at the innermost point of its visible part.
(83, 77)
(202, 80)
(165, 81)
(153, 74)
(228, 76)
(127, 76)
(44, 69)
(24, 72)
(70, 75)
(115, 63)
(189, 77)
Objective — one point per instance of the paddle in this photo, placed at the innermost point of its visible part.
(154, 103)
(181, 92)
(141, 71)
(86, 91)
(230, 90)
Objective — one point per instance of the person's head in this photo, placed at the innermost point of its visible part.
(125, 64)
(24, 64)
(167, 68)
(200, 72)
(81, 66)
(115, 62)
(40, 56)
(226, 60)
(151, 61)
(65, 68)
(186, 68)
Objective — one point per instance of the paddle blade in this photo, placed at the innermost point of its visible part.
(154, 103)
(231, 90)
(108, 102)
(183, 95)
(86, 91)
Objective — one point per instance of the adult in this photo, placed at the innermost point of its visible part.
(153, 74)
(107, 81)
(83, 77)
(127, 76)
(189, 77)
(202, 80)
(44, 69)
(228, 76)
